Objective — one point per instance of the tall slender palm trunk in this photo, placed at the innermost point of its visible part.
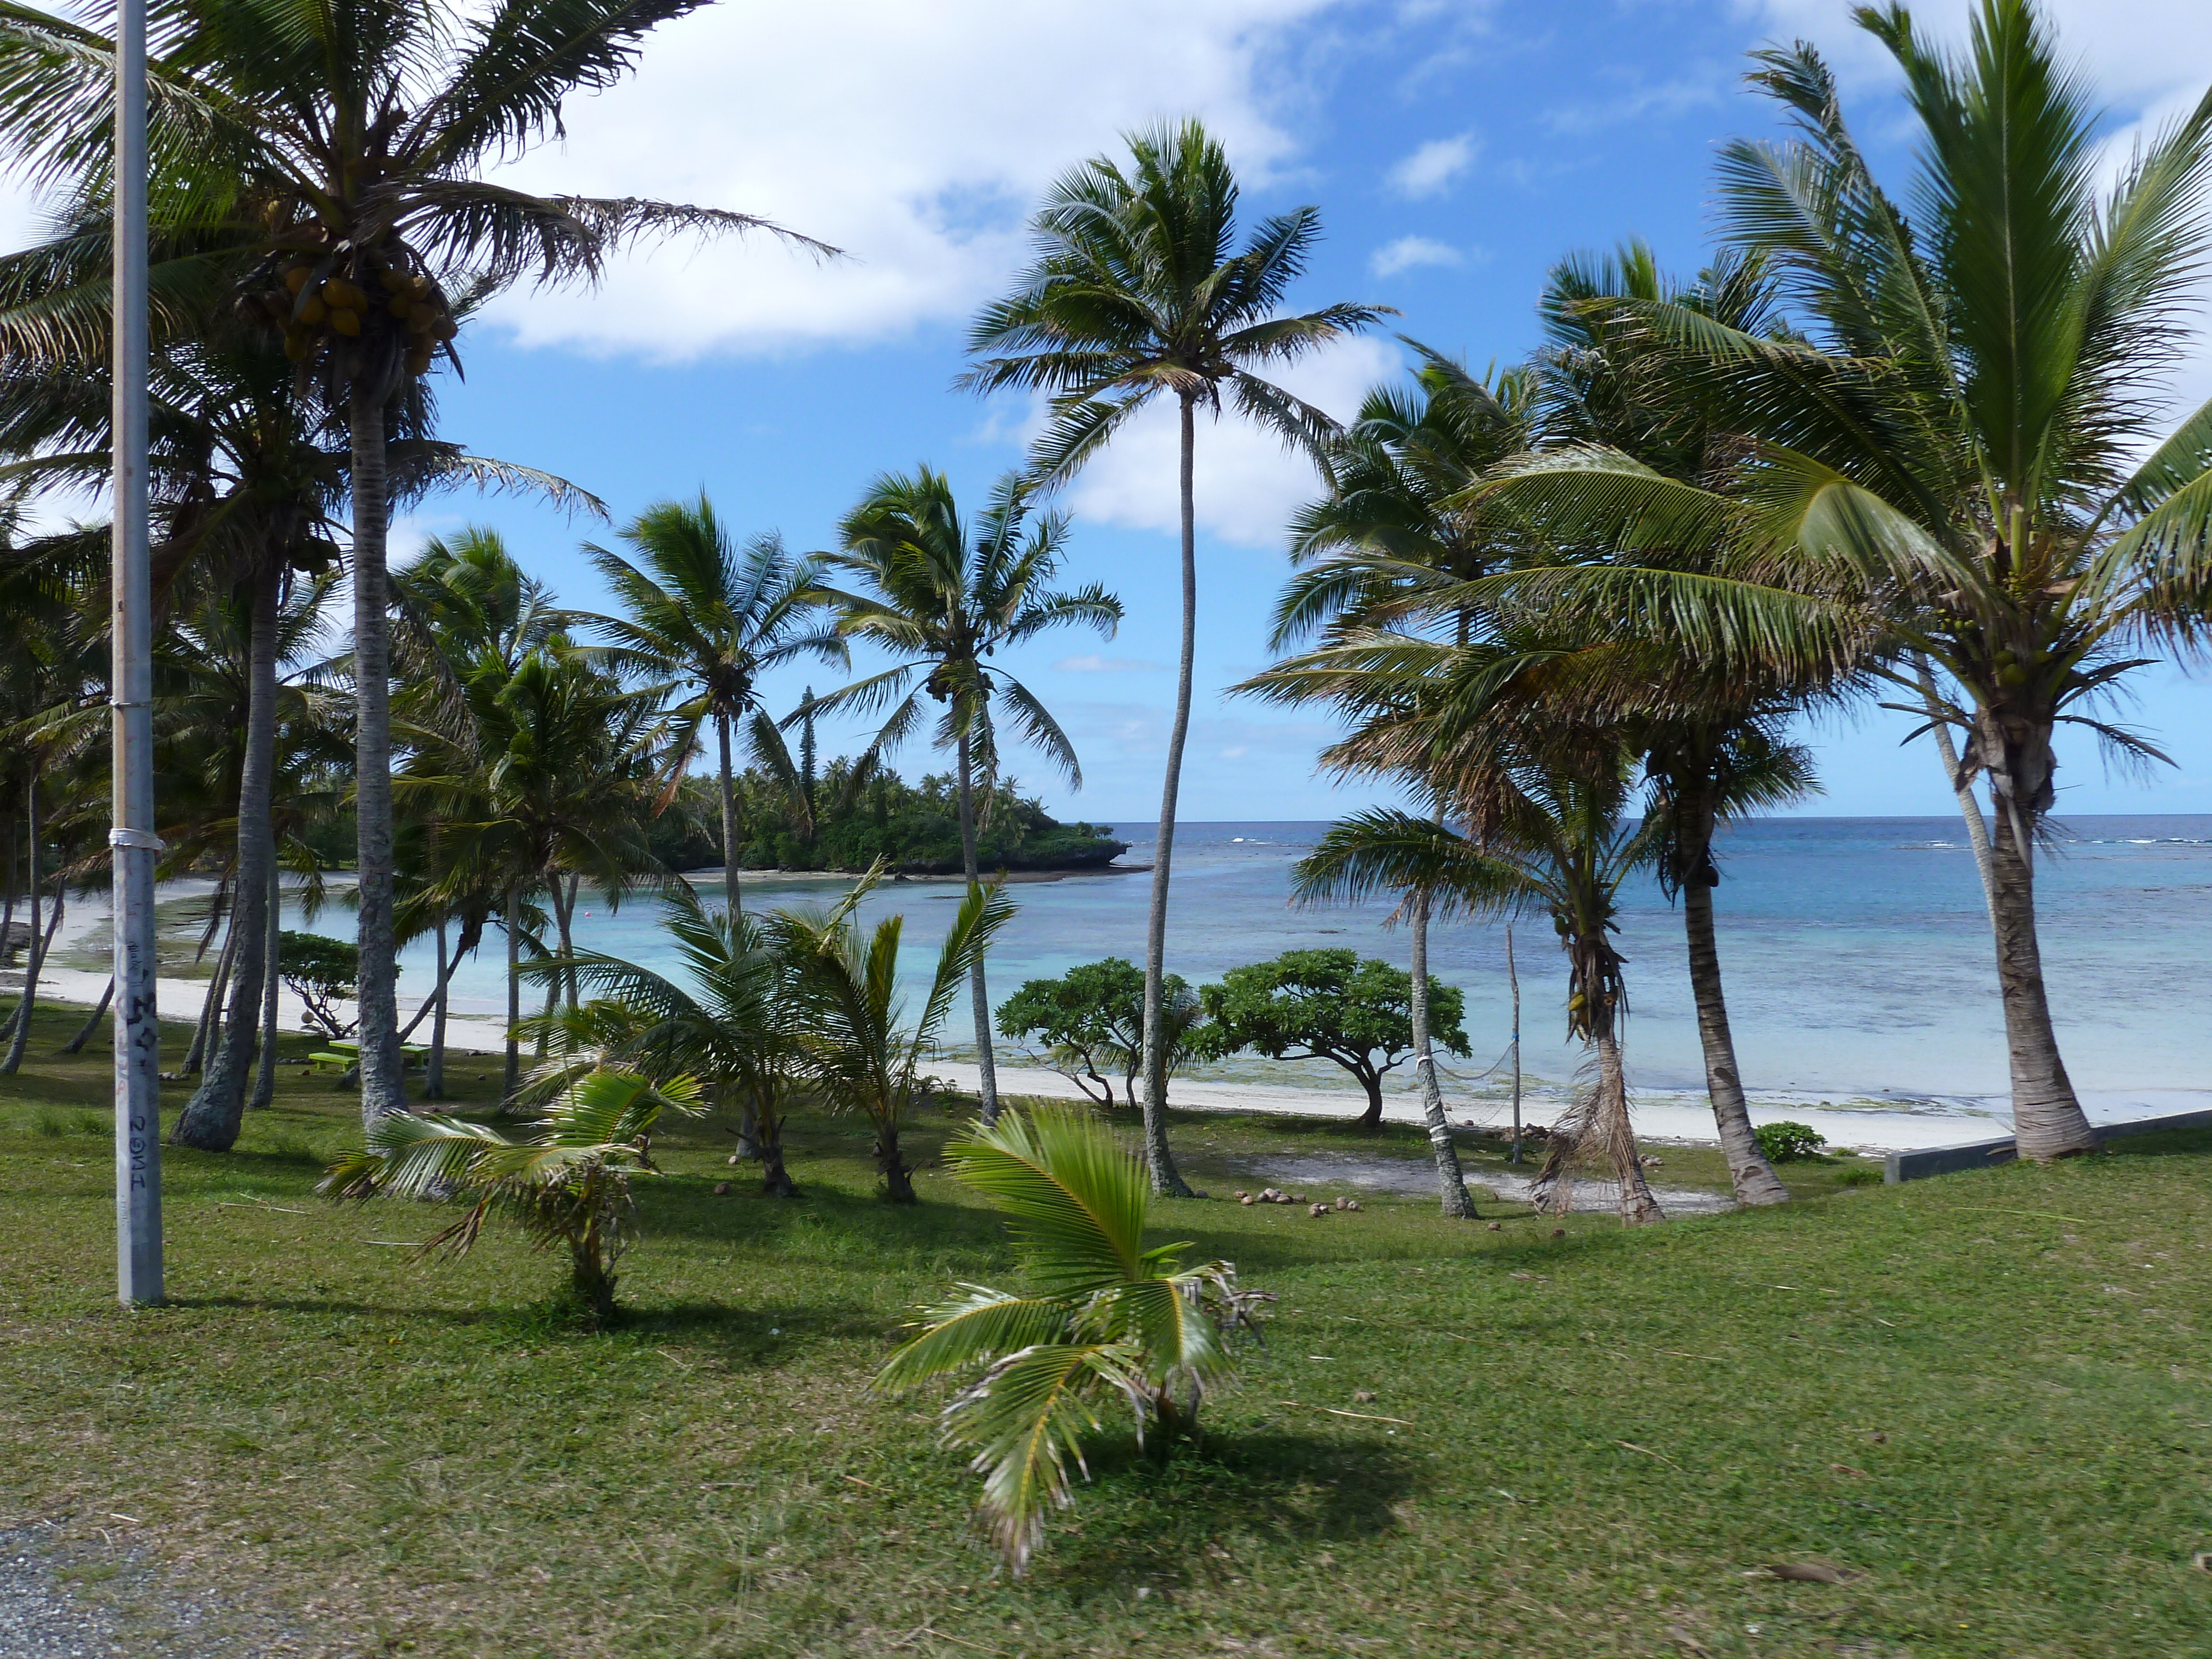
(383, 1080)
(264, 1070)
(1749, 1173)
(434, 1080)
(36, 956)
(1158, 1154)
(513, 1078)
(211, 1118)
(729, 782)
(1970, 810)
(979, 993)
(2047, 1119)
(1513, 980)
(75, 1044)
(209, 1032)
(1450, 1179)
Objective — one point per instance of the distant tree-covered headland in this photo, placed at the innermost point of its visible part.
(842, 821)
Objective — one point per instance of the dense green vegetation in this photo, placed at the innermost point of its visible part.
(1980, 1397)
(914, 827)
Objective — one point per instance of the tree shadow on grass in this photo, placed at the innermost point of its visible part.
(1138, 1522)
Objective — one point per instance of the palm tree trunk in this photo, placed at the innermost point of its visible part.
(898, 1180)
(1612, 1128)
(75, 1044)
(434, 1080)
(564, 914)
(979, 994)
(1749, 1173)
(1156, 1152)
(25, 1008)
(513, 1075)
(383, 1077)
(210, 1029)
(1977, 828)
(2047, 1119)
(7, 902)
(211, 1118)
(729, 783)
(1457, 1204)
(265, 1071)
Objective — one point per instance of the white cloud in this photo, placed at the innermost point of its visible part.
(1098, 664)
(1432, 168)
(915, 137)
(1246, 482)
(1408, 252)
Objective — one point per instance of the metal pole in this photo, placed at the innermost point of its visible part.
(1514, 979)
(137, 1031)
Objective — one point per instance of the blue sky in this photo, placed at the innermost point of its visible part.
(1455, 151)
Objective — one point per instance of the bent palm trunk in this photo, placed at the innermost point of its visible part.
(211, 1118)
(1749, 1173)
(1450, 1179)
(979, 994)
(75, 1044)
(383, 1081)
(1157, 1156)
(2047, 1119)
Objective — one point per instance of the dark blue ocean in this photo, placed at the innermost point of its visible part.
(1857, 954)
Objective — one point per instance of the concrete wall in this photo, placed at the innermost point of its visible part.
(1982, 1154)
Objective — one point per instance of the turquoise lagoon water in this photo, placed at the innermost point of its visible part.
(1857, 954)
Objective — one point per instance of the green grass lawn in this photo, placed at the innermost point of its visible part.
(1986, 1398)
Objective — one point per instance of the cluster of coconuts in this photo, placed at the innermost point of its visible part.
(315, 303)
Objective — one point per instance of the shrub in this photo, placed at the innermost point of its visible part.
(1862, 1176)
(1789, 1143)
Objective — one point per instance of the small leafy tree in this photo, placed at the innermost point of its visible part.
(1104, 1316)
(1093, 1016)
(1327, 1005)
(319, 971)
(568, 1185)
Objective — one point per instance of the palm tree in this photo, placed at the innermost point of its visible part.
(1966, 457)
(568, 1185)
(947, 598)
(1711, 736)
(1105, 1317)
(329, 165)
(850, 1026)
(542, 781)
(1355, 859)
(1139, 289)
(700, 611)
(1501, 739)
(727, 1024)
(1395, 528)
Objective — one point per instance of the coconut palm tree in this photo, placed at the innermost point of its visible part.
(947, 596)
(1396, 527)
(850, 1024)
(1138, 291)
(728, 1024)
(704, 613)
(1711, 736)
(330, 165)
(1967, 451)
(1103, 1317)
(566, 1186)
